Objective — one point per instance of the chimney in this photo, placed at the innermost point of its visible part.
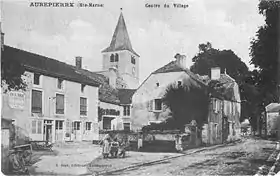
(181, 60)
(79, 62)
(113, 77)
(2, 38)
(2, 41)
(215, 73)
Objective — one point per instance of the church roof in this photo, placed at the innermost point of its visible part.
(120, 40)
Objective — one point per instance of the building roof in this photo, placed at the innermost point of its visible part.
(46, 66)
(125, 95)
(272, 107)
(120, 40)
(174, 67)
(106, 93)
(227, 88)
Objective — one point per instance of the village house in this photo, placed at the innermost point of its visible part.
(59, 104)
(272, 114)
(224, 108)
(104, 97)
(147, 99)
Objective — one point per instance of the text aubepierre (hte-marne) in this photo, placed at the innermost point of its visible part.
(64, 4)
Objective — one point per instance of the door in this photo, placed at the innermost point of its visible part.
(225, 129)
(59, 130)
(48, 130)
(87, 131)
(77, 134)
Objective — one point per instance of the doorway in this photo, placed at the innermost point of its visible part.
(225, 131)
(48, 130)
(77, 130)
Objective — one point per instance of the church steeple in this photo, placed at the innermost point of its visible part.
(120, 40)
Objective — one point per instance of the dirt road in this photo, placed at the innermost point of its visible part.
(240, 159)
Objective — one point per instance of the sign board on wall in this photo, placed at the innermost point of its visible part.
(5, 136)
(16, 99)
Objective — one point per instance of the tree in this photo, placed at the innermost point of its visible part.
(11, 73)
(209, 57)
(264, 52)
(186, 103)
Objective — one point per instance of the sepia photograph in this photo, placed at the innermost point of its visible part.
(146, 88)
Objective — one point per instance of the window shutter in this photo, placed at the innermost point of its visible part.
(152, 105)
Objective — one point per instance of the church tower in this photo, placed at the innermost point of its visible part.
(121, 56)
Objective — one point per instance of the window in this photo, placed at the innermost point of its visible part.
(116, 58)
(233, 128)
(33, 124)
(216, 130)
(39, 127)
(36, 80)
(215, 105)
(36, 101)
(133, 61)
(59, 83)
(77, 125)
(157, 84)
(133, 70)
(58, 124)
(126, 126)
(126, 110)
(83, 88)
(36, 127)
(83, 106)
(88, 126)
(158, 104)
(59, 104)
(112, 58)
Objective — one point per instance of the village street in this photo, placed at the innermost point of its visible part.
(70, 159)
(240, 159)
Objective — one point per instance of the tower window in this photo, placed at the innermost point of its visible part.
(179, 83)
(112, 58)
(116, 58)
(133, 60)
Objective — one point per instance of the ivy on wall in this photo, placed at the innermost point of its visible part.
(102, 112)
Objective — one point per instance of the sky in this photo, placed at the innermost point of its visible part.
(156, 34)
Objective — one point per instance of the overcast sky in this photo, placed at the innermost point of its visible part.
(156, 34)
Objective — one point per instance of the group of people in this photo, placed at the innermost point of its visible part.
(113, 147)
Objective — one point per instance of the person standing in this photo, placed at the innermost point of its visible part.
(140, 142)
(106, 146)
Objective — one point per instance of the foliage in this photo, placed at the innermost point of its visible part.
(264, 52)
(102, 112)
(209, 57)
(186, 104)
(11, 73)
